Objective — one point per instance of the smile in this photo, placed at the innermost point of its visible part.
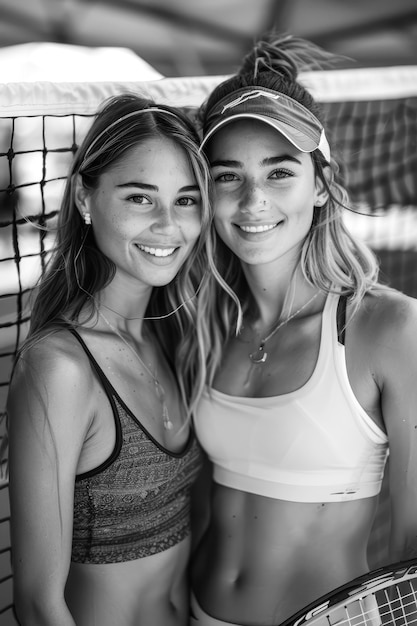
(160, 252)
(262, 228)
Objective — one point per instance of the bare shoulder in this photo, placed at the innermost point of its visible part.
(51, 355)
(53, 372)
(388, 313)
(385, 332)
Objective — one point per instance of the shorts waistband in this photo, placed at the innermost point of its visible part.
(199, 618)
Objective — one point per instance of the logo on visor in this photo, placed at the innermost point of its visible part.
(250, 95)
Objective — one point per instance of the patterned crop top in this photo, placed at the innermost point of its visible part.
(137, 502)
(315, 444)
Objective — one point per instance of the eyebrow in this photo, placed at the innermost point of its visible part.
(265, 162)
(148, 187)
(279, 159)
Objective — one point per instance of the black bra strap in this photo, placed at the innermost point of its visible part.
(341, 319)
(111, 395)
(101, 375)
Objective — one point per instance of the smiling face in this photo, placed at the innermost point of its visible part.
(265, 192)
(146, 212)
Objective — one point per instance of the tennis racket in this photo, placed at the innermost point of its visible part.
(385, 596)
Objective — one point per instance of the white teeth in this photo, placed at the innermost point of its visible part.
(157, 251)
(257, 229)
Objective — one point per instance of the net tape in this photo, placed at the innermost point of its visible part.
(41, 125)
(372, 120)
(373, 137)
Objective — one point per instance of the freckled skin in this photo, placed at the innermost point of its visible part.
(262, 559)
(146, 204)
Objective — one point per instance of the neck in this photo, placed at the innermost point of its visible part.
(275, 290)
(127, 314)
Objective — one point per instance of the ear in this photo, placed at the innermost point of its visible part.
(321, 194)
(81, 196)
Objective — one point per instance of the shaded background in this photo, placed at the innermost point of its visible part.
(134, 40)
(200, 37)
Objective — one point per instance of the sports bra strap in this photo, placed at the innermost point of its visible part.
(102, 377)
(341, 320)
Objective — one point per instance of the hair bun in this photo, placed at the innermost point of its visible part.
(285, 55)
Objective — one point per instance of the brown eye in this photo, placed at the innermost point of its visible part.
(186, 201)
(139, 199)
(228, 177)
(281, 174)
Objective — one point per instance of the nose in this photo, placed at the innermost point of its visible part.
(165, 220)
(252, 199)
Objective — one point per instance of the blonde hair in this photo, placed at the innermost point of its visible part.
(331, 259)
(78, 269)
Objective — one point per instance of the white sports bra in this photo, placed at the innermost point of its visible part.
(315, 444)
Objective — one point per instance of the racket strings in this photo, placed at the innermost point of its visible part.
(394, 606)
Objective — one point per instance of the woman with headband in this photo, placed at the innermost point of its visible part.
(102, 457)
(313, 379)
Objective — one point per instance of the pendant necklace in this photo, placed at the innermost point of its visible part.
(260, 355)
(159, 390)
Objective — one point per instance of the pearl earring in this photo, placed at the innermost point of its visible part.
(87, 219)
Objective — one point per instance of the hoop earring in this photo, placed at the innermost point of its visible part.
(87, 219)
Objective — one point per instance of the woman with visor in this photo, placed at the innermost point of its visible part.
(311, 378)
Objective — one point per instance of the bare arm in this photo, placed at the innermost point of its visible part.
(397, 364)
(47, 408)
(200, 503)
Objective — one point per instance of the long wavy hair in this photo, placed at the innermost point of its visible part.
(331, 259)
(78, 270)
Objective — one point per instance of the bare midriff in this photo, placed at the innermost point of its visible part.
(151, 590)
(263, 559)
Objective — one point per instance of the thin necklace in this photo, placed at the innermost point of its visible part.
(260, 355)
(160, 391)
(132, 319)
(156, 317)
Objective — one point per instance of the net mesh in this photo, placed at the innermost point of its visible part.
(31, 181)
(372, 132)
